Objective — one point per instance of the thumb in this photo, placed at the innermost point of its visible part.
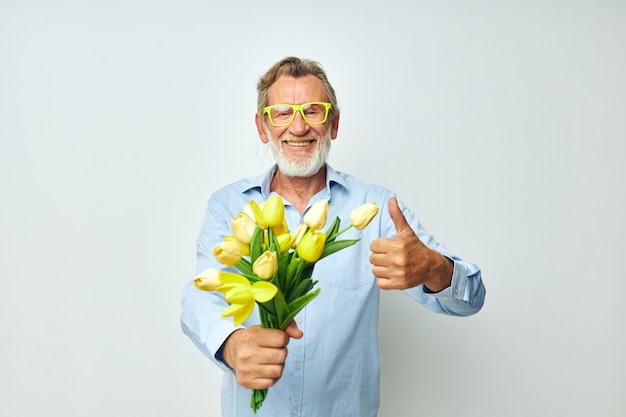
(402, 226)
(293, 331)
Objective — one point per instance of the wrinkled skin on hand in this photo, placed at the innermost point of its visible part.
(258, 355)
(403, 261)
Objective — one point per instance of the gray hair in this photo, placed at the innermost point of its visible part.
(295, 67)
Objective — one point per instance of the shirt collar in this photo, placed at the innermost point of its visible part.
(263, 181)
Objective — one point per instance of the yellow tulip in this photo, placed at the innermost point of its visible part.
(273, 211)
(245, 249)
(285, 242)
(362, 216)
(270, 213)
(282, 228)
(257, 213)
(243, 227)
(241, 295)
(208, 280)
(315, 218)
(311, 246)
(297, 235)
(248, 210)
(227, 253)
(240, 312)
(266, 265)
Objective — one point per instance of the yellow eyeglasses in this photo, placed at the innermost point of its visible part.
(281, 115)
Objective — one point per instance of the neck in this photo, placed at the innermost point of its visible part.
(298, 191)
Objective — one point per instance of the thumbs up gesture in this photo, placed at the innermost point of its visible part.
(403, 261)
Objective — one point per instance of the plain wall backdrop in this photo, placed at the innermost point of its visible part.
(501, 123)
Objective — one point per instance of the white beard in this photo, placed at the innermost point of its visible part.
(301, 168)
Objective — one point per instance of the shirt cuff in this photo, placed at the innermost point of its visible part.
(458, 286)
(222, 333)
(219, 356)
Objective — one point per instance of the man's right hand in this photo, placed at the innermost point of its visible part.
(258, 355)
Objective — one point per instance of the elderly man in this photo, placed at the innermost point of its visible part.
(332, 367)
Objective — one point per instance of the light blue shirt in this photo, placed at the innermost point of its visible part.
(334, 369)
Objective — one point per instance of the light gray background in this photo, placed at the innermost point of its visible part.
(502, 123)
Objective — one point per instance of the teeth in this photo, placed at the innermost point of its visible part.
(299, 144)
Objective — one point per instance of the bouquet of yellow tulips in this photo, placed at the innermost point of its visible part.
(275, 265)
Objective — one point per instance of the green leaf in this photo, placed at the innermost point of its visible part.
(283, 263)
(268, 307)
(297, 305)
(244, 266)
(274, 245)
(267, 313)
(331, 232)
(256, 244)
(336, 246)
(304, 270)
(302, 287)
(245, 269)
(257, 398)
(294, 270)
(280, 305)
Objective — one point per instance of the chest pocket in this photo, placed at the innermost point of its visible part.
(348, 269)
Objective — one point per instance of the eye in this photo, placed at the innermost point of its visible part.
(281, 111)
(312, 109)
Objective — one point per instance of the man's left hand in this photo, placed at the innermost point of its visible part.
(403, 261)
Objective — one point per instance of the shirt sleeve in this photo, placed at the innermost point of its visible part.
(465, 295)
(200, 319)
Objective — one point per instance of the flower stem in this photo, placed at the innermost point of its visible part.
(340, 232)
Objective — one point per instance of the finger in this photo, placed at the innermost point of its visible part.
(381, 245)
(402, 226)
(260, 337)
(263, 383)
(386, 284)
(293, 331)
(264, 377)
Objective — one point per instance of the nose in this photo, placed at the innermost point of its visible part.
(299, 127)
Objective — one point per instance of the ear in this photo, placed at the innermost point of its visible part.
(334, 127)
(258, 120)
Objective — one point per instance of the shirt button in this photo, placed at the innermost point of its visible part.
(299, 320)
(298, 366)
(295, 412)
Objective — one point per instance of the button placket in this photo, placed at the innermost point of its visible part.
(296, 375)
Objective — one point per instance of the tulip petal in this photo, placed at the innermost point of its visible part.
(245, 248)
(264, 291)
(205, 284)
(362, 215)
(258, 214)
(273, 211)
(266, 265)
(243, 227)
(239, 295)
(298, 234)
(208, 280)
(232, 278)
(248, 210)
(243, 314)
(282, 228)
(315, 217)
(227, 253)
(311, 246)
(284, 242)
(240, 312)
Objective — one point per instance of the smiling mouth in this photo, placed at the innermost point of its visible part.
(299, 143)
